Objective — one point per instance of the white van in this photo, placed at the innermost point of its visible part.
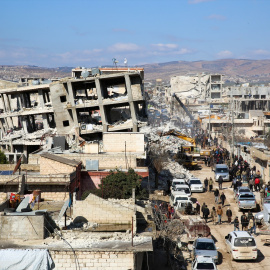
(182, 188)
(241, 245)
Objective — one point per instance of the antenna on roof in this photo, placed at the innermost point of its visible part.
(115, 62)
(125, 62)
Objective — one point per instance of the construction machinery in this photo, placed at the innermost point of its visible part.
(180, 136)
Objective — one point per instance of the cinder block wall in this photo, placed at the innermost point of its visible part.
(121, 142)
(96, 209)
(48, 166)
(93, 260)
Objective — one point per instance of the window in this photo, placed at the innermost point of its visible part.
(244, 242)
(205, 246)
(66, 123)
(208, 266)
(63, 98)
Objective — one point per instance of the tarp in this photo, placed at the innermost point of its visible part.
(27, 259)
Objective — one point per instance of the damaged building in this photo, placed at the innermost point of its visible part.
(37, 111)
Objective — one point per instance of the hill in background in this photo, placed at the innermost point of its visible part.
(256, 71)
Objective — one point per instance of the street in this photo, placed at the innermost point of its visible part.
(220, 231)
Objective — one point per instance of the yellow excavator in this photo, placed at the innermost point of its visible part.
(180, 135)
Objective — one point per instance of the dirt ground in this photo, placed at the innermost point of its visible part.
(220, 231)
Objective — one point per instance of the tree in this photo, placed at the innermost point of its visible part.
(3, 158)
(119, 185)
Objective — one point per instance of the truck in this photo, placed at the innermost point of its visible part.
(246, 201)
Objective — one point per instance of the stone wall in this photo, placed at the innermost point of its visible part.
(98, 210)
(93, 260)
(123, 141)
(48, 166)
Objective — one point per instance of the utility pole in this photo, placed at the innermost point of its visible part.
(209, 118)
(232, 110)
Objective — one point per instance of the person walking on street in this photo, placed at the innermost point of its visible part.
(202, 208)
(206, 213)
(252, 225)
(198, 208)
(229, 215)
(257, 183)
(250, 215)
(262, 193)
(244, 222)
(236, 224)
(206, 184)
(210, 184)
(214, 215)
(216, 194)
(251, 184)
(220, 181)
(222, 198)
(219, 214)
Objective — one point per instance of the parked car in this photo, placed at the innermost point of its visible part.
(184, 206)
(202, 262)
(264, 215)
(176, 182)
(196, 185)
(178, 196)
(182, 188)
(241, 245)
(205, 247)
(240, 190)
(222, 170)
(246, 200)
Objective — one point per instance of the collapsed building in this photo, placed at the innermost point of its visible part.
(37, 112)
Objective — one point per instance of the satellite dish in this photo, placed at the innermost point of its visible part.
(125, 61)
(85, 73)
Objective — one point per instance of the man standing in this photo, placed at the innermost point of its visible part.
(244, 222)
(214, 215)
(198, 208)
(219, 213)
(252, 225)
(229, 215)
(222, 198)
(262, 193)
(206, 184)
(216, 194)
(210, 184)
(236, 224)
(202, 208)
(206, 213)
(220, 181)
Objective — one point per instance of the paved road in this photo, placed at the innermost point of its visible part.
(220, 231)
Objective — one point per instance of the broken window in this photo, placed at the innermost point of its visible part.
(66, 123)
(113, 88)
(63, 99)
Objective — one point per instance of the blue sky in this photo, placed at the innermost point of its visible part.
(55, 33)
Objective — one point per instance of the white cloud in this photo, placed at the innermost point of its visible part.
(217, 17)
(198, 1)
(124, 47)
(225, 54)
(261, 52)
(165, 47)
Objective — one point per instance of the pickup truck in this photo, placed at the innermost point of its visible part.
(246, 201)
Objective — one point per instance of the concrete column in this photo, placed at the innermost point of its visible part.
(7, 103)
(45, 121)
(75, 117)
(2, 129)
(101, 106)
(24, 123)
(19, 101)
(3, 101)
(70, 93)
(131, 104)
(25, 154)
(41, 98)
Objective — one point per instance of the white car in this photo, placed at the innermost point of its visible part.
(178, 182)
(178, 196)
(182, 188)
(202, 262)
(196, 185)
(241, 245)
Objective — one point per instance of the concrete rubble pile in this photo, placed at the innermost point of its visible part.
(79, 239)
